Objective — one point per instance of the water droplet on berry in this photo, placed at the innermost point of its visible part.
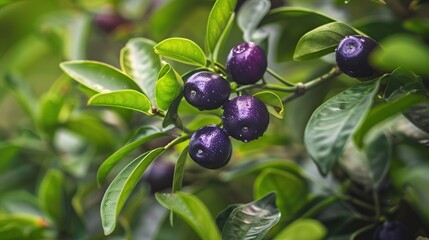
(199, 152)
(193, 93)
(244, 129)
(245, 140)
(239, 49)
(350, 48)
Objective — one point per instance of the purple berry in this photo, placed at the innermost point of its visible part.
(206, 90)
(392, 230)
(246, 63)
(159, 175)
(210, 147)
(245, 118)
(352, 56)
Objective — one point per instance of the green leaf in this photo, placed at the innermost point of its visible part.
(273, 101)
(202, 120)
(378, 156)
(334, 122)
(67, 31)
(140, 62)
(193, 211)
(384, 111)
(4, 3)
(218, 21)
(71, 28)
(98, 76)
(250, 15)
(111, 161)
(119, 190)
(179, 13)
(372, 163)
(258, 165)
(51, 103)
(128, 99)
(91, 129)
(288, 18)
(402, 51)
(182, 50)
(51, 195)
(289, 200)
(167, 87)
(321, 41)
(172, 117)
(8, 152)
(402, 82)
(179, 170)
(23, 93)
(414, 183)
(250, 221)
(303, 229)
(419, 26)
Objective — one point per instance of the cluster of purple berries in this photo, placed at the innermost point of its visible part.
(244, 117)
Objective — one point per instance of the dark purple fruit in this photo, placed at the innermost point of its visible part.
(392, 230)
(352, 56)
(109, 21)
(246, 63)
(206, 90)
(245, 118)
(159, 175)
(210, 147)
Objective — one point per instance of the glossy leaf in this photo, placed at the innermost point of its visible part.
(384, 111)
(51, 194)
(139, 61)
(128, 99)
(402, 82)
(179, 170)
(172, 117)
(256, 166)
(119, 190)
(117, 156)
(98, 76)
(181, 50)
(378, 156)
(250, 221)
(333, 123)
(392, 56)
(167, 87)
(321, 41)
(201, 120)
(250, 15)
(303, 229)
(273, 101)
(193, 211)
(218, 21)
(289, 199)
(288, 18)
